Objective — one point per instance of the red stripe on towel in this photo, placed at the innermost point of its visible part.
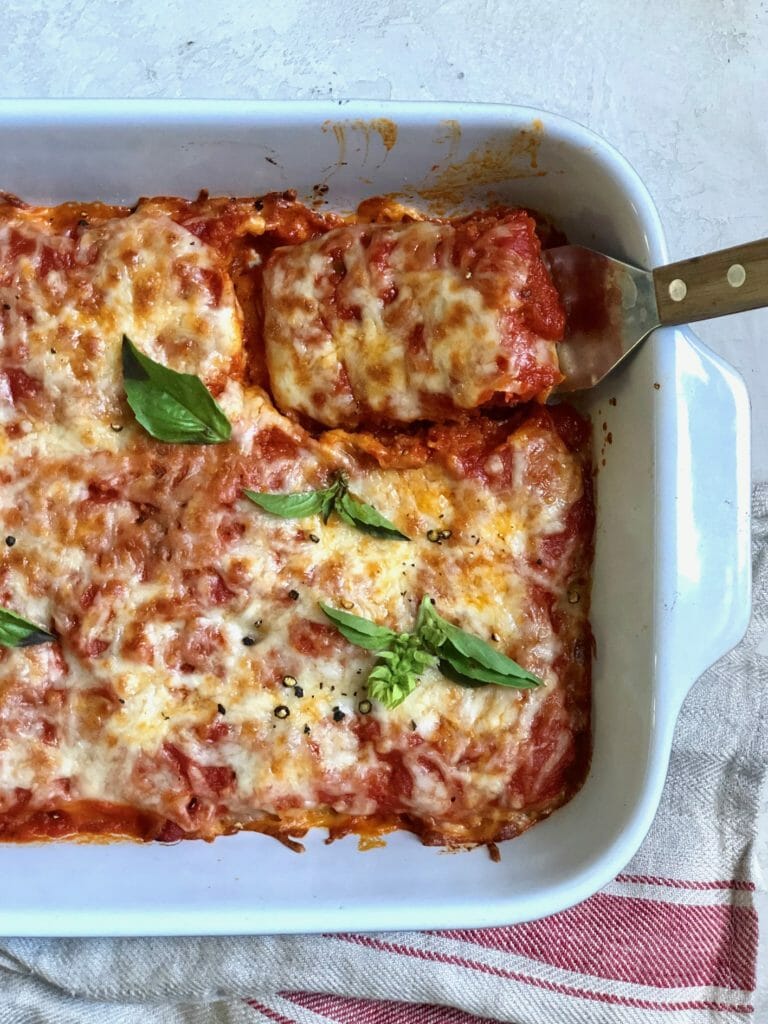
(278, 1018)
(549, 986)
(680, 883)
(645, 942)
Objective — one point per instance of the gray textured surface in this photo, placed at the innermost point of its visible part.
(680, 88)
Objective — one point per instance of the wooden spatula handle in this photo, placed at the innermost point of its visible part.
(729, 281)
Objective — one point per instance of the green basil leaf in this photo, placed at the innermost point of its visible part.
(451, 673)
(328, 501)
(423, 658)
(172, 407)
(359, 631)
(398, 673)
(389, 690)
(430, 626)
(403, 657)
(322, 502)
(289, 506)
(481, 653)
(469, 673)
(484, 656)
(381, 674)
(17, 632)
(365, 517)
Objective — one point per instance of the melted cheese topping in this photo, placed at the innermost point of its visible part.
(195, 679)
(67, 299)
(406, 322)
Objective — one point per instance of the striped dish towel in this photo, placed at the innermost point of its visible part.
(673, 938)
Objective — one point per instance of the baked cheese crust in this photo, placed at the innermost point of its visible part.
(404, 322)
(195, 687)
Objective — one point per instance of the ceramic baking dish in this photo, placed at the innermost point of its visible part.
(672, 573)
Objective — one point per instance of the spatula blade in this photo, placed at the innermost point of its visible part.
(610, 307)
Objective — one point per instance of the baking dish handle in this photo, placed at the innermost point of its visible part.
(706, 560)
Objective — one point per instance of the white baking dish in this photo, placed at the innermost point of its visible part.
(672, 576)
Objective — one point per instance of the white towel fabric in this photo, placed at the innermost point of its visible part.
(673, 938)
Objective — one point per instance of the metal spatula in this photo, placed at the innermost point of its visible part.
(612, 306)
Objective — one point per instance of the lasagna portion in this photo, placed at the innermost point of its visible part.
(414, 321)
(68, 291)
(192, 685)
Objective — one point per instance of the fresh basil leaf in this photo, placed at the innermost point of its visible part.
(403, 657)
(477, 651)
(429, 625)
(328, 501)
(17, 632)
(386, 655)
(359, 631)
(289, 506)
(447, 670)
(391, 691)
(399, 672)
(365, 517)
(486, 657)
(469, 673)
(172, 407)
(423, 658)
